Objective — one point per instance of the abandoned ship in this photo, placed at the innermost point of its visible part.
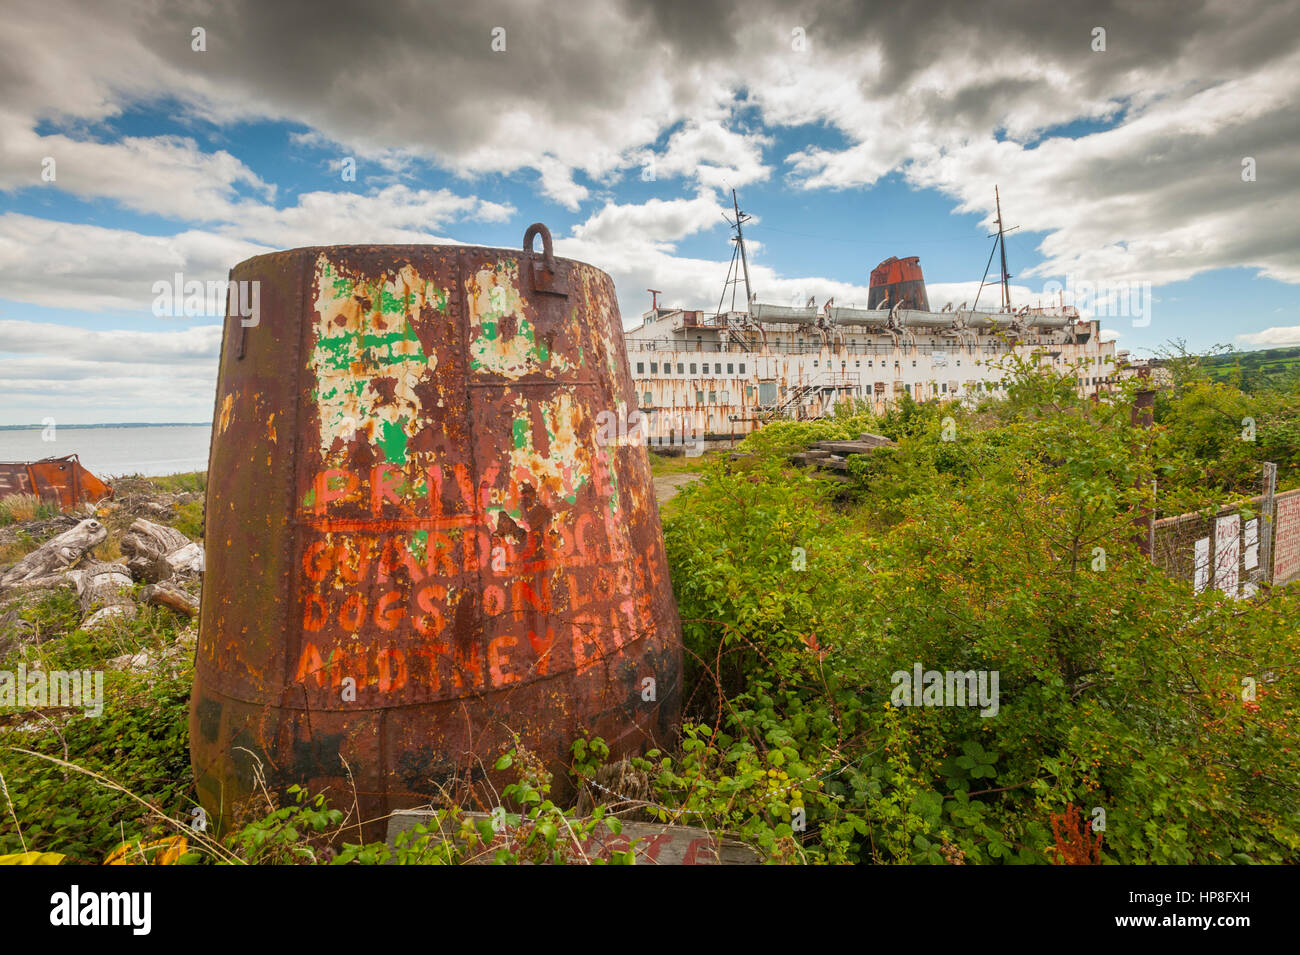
(708, 377)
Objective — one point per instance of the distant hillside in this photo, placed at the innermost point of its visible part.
(1252, 370)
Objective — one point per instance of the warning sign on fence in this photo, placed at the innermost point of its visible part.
(1227, 552)
(1286, 546)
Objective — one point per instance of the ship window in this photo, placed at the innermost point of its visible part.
(742, 367)
(731, 369)
(649, 399)
(679, 368)
(814, 362)
(958, 362)
(654, 367)
(699, 397)
(717, 368)
(692, 368)
(858, 364)
(726, 397)
(640, 368)
(749, 391)
(913, 362)
(944, 388)
(713, 397)
(908, 386)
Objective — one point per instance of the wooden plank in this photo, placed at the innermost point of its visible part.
(810, 457)
(846, 447)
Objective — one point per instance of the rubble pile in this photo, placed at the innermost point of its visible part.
(159, 565)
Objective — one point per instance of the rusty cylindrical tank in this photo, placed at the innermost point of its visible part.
(431, 528)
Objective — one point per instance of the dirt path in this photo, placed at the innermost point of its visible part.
(667, 485)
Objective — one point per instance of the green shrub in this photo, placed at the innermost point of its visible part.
(195, 482)
(141, 742)
(1010, 549)
(189, 520)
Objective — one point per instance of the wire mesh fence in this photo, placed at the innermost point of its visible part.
(1253, 541)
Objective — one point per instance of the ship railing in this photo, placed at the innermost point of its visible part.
(777, 347)
(827, 381)
(738, 335)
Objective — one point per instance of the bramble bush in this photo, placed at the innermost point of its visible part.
(1010, 549)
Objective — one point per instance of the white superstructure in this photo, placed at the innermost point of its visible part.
(722, 375)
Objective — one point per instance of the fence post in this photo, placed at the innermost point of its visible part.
(1141, 415)
(1266, 522)
(1151, 522)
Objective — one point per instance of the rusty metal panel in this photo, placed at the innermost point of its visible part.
(421, 542)
(14, 479)
(60, 480)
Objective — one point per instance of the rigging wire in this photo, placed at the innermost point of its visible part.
(831, 238)
(986, 275)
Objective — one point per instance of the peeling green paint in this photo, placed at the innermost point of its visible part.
(419, 545)
(517, 514)
(613, 483)
(367, 360)
(493, 295)
(341, 351)
(392, 440)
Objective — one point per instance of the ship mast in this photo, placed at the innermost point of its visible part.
(738, 251)
(1002, 241)
(740, 240)
(999, 242)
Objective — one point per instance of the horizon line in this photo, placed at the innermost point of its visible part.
(111, 424)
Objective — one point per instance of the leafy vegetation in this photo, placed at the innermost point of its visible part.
(1220, 435)
(140, 744)
(1008, 548)
(57, 765)
(997, 539)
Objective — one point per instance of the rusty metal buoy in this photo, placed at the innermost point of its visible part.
(424, 540)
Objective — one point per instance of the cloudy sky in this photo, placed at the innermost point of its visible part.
(1168, 160)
